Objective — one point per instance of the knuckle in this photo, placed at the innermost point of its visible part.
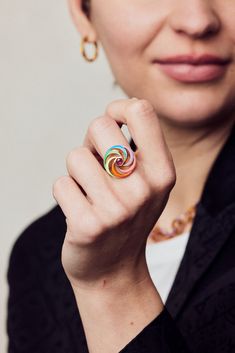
(109, 108)
(117, 215)
(74, 156)
(84, 230)
(99, 124)
(145, 195)
(92, 226)
(169, 183)
(166, 180)
(121, 214)
(93, 233)
(140, 107)
(142, 192)
(60, 184)
(72, 231)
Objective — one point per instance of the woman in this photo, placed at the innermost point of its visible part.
(177, 59)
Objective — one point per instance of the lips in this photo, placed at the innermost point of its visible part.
(194, 60)
(189, 68)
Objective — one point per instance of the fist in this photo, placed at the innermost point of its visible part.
(109, 219)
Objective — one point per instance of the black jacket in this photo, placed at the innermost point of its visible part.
(42, 312)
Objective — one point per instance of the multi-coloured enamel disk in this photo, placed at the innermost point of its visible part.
(119, 161)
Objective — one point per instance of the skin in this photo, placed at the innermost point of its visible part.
(179, 129)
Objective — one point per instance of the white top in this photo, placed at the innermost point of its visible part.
(163, 260)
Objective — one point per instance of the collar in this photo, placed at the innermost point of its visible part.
(219, 189)
(213, 225)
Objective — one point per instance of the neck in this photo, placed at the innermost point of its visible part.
(194, 151)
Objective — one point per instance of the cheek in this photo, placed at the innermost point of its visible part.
(126, 35)
(229, 24)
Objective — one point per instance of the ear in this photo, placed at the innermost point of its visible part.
(81, 20)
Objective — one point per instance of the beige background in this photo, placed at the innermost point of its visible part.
(48, 95)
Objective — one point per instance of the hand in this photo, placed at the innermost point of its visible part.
(108, 219)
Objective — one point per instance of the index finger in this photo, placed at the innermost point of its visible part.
(144, 127)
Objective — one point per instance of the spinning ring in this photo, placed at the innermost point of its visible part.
(119, 161)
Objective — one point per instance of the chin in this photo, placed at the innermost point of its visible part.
(193, 111)
(189, 122)
(191, 118)
(194, 120)
(197, 120)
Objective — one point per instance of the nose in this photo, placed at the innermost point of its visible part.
(194, 18)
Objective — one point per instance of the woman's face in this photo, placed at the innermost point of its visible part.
(137, 33)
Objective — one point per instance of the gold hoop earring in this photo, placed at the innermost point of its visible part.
(84, 41)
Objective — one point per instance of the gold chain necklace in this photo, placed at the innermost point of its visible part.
(178, 226)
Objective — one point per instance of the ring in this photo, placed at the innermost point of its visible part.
(119, 161)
